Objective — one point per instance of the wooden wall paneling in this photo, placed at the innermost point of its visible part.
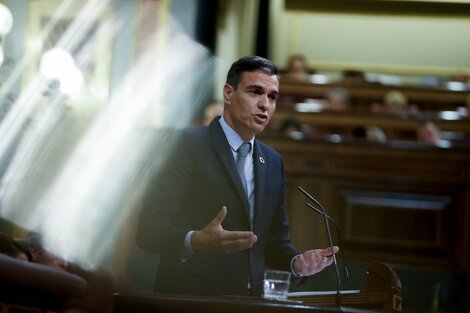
(402, 224)
(307, 227)
(405, 206)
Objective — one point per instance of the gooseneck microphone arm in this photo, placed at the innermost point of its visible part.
(338, 235)
(330, 240)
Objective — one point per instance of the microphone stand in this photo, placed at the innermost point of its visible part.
(338, 235)
(325, 217)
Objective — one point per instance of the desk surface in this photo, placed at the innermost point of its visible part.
(146, 303)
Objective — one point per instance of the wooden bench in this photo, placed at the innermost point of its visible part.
(360, 118)
(363, 95)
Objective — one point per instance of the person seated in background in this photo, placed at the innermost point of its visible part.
(337, 99)
(353, 77)
(292, 128)
(394, 102)
(429, 133)
(370, 133)
(297, 68)
(459, 78)
(375, 134)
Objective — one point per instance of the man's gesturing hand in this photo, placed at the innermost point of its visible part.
(214, 239)
(313, 261)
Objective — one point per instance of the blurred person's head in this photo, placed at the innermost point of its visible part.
(40, 255)
(297, 68)
(459, 77)
(337, 99)
(297, 64)
(353, 77)
(395, 101)
(429, 133)
(292, 128)
(375, 134)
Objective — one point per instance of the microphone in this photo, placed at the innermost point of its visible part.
(327, 224)
(338, 235)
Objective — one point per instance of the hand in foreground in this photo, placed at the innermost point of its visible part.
(214, 239)
(314, 261)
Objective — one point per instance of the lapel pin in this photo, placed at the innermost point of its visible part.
(261, 160)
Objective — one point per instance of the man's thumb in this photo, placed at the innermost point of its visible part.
(219, 218)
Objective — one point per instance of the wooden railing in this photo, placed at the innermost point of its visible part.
(360, 118)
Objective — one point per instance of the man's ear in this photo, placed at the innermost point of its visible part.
(228, 91)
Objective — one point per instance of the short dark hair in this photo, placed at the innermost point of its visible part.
(249, 64)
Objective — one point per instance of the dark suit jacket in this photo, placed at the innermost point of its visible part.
(187, 192)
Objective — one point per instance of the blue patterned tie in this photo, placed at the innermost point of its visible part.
(242, 153)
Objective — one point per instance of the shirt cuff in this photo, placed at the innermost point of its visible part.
(187, 250)
(294, 273)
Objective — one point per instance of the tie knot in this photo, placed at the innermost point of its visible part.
(244, 149)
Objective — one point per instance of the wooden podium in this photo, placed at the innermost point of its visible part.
(380, 293)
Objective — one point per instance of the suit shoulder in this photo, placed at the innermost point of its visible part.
(194, 134)
(268, 150)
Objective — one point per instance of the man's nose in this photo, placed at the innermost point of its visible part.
(264, 103)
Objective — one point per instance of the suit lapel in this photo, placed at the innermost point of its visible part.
(260, 169)
(223, 150)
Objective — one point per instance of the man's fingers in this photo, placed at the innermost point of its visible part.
(329, 261)
(236, 235)
(235, 241)
(303, 265)
(329, 251)
(237, 245)
(214, 239)
(335, 249)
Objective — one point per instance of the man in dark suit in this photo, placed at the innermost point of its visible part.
(217, 217)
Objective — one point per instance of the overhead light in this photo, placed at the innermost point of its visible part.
(6, 20)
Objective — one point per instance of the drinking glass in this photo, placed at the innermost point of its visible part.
(276, 285)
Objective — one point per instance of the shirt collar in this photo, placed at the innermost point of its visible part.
(234, 139)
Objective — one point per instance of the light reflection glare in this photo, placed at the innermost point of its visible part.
(77, 186)
(449, 115)
(58, 64)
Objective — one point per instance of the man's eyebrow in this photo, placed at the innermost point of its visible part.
(260, 87)
(254, 87)
(274, 93)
